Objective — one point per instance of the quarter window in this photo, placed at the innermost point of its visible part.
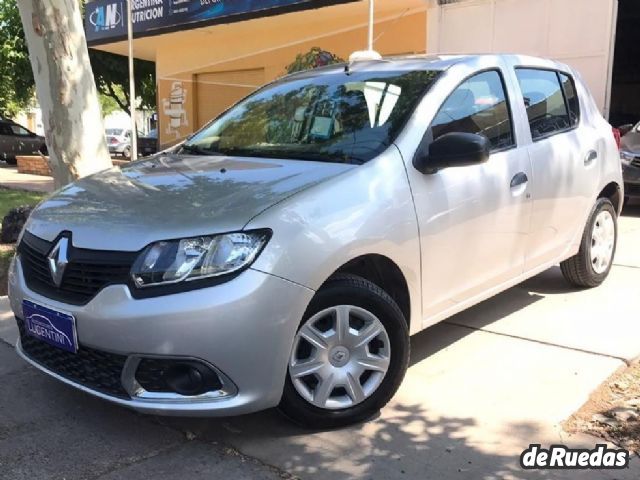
(479, 105)
(545, 102)
(572, 98)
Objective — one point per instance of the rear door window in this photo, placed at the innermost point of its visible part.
(478, 105)
(544, 100)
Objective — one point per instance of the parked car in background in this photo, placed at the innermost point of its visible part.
(16, 140)
(284, 253)
(148, 144)
(119, 142)
(630, 156)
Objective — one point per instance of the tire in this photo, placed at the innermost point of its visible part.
(362, 299)
(11, 160)
(582, 269)
(126, 153)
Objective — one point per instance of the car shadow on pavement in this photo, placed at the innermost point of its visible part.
(405, 441)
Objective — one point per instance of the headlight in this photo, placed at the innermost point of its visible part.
(174, 261)
(626, 157)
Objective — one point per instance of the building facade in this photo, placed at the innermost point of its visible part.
(211, 53)
(600, 38)
(208, 58)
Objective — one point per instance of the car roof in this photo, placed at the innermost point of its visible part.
(423, 62)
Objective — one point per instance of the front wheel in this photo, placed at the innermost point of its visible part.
(349, 355)
(591, 265)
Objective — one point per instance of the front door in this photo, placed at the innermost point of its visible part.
(7, 146)
(473, 220)
(25, 142)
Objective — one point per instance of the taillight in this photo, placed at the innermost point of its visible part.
(617, 136)
(113, 141)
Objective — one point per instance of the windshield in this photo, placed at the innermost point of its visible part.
(335, 117)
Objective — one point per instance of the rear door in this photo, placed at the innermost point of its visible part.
(564, 160)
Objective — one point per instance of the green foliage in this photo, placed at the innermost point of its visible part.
(107, 104)
(15, 198)
(16, 78)
(111, 71)
(316, 57)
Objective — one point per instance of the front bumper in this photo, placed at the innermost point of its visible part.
(243, 328)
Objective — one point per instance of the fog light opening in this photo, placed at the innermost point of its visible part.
(191, 379)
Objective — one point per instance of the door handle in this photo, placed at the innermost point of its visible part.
(518, 179)
(519, 184)
(591, 157)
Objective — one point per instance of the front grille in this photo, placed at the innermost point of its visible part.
(87, 272)
(91, 368)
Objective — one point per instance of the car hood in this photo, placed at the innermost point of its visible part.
(631, 142)
(172, 196)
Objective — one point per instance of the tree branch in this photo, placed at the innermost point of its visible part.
(112, 93)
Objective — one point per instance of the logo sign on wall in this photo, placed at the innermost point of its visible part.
(106, 20)
(107, 17)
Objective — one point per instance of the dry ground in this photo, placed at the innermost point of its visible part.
(613, 410)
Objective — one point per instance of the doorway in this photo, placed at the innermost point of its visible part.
(625, 83)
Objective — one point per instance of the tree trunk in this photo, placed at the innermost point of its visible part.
(65, 88)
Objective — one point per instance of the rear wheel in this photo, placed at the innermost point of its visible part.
(592, 264)
(349, 355)
(126, 153)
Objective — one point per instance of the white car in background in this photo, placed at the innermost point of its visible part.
(119, 141)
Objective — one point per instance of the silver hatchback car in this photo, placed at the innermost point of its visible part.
(283, 255)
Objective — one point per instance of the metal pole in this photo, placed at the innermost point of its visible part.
(370, 43)
(132, 85)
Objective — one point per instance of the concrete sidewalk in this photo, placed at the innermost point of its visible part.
(10, 178)
(481, 387)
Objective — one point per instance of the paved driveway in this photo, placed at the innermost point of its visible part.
(10, 178)
(482, 386)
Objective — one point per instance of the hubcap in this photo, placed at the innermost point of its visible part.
(603, 239)
(340, 357)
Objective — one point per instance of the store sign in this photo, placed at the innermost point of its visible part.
(106, 20)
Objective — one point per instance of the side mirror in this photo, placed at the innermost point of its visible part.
(454, 149)
(626, 128)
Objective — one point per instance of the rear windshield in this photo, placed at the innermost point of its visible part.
(334, 117)
(114, 131)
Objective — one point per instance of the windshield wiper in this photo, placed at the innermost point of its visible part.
(196, 150)
(294, 155)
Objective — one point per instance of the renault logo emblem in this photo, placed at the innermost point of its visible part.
(58, 260)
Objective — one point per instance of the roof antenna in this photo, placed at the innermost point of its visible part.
(368, 54)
